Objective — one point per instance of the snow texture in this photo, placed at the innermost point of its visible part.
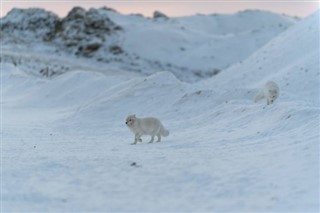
(66, 148)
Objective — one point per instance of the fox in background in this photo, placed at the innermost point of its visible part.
(270, 92)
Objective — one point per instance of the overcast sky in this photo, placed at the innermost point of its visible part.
(171, 8)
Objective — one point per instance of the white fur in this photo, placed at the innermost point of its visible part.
(146, 126)
(270, 92)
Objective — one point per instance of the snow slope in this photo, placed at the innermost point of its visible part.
(205, 41)
(65, 147)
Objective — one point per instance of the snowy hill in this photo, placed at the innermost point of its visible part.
(192, 48)
(65, 146)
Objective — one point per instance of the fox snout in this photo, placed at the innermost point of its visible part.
(129, 122)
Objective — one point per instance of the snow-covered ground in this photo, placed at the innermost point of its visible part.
(66, 148)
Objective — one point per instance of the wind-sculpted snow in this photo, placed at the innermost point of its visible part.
(66, 148)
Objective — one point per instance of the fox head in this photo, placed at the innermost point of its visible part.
(130, 120)
(273, 94)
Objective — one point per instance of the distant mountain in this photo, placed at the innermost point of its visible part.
(193, 47)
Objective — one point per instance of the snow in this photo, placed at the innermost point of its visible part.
(65, 146)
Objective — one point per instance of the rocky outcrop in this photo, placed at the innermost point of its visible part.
(80, 32)
(29, 24)
(85, 31)
(158, 14)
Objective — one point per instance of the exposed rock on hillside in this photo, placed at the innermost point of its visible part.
(29, 23)
(158, 14)
(83, 32)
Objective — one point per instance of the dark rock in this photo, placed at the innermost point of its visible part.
(116, 50)
(158, 14)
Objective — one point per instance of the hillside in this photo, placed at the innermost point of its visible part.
(66, 148)
(192, 48)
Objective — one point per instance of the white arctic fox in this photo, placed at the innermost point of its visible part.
(270, 92)
(146, 126)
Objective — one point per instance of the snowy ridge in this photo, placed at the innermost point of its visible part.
(65, 140)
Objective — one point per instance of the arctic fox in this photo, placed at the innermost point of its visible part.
(270, 92)
(146, 126)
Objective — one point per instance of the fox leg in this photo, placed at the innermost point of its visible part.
(135, 142)
(259, 96)
(152, 138)
(269, 101)
(159, 137)
(136, 139)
